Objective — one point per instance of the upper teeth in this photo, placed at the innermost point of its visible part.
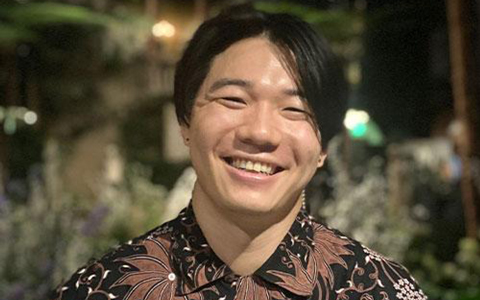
(253, 166)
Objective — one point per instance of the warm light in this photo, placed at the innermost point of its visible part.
(30, 118)
(354, 117)
(163, 29)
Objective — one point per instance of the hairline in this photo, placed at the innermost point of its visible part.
(286, 57)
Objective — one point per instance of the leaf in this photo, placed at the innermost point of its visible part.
(41, 14)
(336, 25)
(10, 35)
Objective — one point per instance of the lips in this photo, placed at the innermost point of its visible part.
(253, 166)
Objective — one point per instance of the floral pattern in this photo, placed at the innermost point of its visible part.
(174, 261)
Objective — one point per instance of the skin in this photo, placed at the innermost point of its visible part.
(248, 107)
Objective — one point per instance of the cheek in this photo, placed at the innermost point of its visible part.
(201, 142)
(307, 145)
(210, 127)
(215, 118)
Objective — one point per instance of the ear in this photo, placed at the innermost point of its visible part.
(185, 132)
(321, 159)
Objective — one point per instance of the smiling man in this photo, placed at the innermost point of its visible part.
(258, 96)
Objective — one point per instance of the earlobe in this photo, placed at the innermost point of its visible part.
(321, 159)
(185, 135)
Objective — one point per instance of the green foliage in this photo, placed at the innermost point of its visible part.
(452, 280)
(125, 38)
(342, 28)
(48, 13)
(46, 239)
(405, 232)
(337, 25)
(383, 230)
(10, 34)
(23, 21)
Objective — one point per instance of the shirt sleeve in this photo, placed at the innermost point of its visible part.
(374, 276)
(70, 289)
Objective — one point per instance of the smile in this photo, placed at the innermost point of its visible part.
(253, 166)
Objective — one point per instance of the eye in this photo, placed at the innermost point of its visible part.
(232, 102)
(234, 99)
(295, 109)
(295, 113)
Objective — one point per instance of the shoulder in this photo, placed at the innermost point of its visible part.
(119, 269)
(354, 271)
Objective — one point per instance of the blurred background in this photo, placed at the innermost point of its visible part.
(90, 153)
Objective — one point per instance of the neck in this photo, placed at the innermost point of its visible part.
(244, 242)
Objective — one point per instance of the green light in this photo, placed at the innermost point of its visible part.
(359, 130)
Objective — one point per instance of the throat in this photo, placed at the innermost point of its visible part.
(242, 250)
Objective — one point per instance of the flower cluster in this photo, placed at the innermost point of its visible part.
(407, 291)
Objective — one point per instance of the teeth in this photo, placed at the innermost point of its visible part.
(243, 164)
(252, 166)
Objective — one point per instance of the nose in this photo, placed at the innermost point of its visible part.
(260, 128)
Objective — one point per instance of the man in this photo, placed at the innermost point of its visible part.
(257, 96)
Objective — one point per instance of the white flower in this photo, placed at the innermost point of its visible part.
(407, 291)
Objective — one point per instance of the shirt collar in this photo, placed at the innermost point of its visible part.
(291, 266)
(193, 260)
(196, 265)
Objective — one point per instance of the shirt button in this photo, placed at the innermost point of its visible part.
(230, 278)
(171, 276)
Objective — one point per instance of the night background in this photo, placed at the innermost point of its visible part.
(90, 153)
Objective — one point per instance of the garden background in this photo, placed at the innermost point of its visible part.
(90, 154)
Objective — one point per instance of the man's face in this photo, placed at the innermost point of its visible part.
(251, 143)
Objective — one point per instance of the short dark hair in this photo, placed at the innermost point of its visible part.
(306, 55)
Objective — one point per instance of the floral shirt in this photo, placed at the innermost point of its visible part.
(174, 261)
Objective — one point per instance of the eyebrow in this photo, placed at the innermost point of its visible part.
(229, 81)
(293, 92)
(246, 84)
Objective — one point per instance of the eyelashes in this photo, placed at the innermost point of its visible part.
(296, 109)
(290, 112)
(232, 102)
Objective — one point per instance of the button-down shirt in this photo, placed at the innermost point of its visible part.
(174, 261)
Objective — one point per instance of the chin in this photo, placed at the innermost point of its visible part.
(257, 206)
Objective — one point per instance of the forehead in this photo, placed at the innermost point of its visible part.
(255, 59)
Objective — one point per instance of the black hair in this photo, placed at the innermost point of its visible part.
(304, 52)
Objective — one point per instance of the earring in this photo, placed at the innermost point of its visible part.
(303, 198)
